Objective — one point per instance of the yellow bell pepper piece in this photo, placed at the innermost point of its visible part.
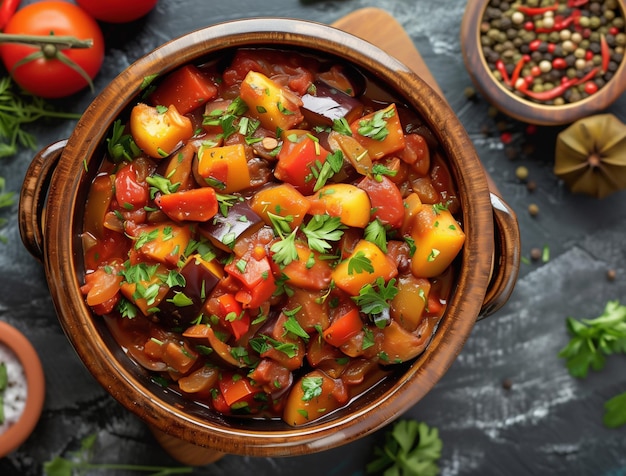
(438, 239)
(365, 265)
(225, 168)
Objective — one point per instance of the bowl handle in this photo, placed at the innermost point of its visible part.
(506, 260)
(33, 197)
(183, 451)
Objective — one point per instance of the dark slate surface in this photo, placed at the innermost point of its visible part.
(545, 423)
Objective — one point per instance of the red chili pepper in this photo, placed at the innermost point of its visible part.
(606, 53)
(576, 3)
(502, 68)
(530, 11)
(7, 9)
(561, 88)
(518, 69)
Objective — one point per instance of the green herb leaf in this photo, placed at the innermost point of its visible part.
(374, 299)
(321, 229)
(375, 232)
(285, 250)
(593, 339)
(376, 127)
(360, 263)
(615, 411)
(410, 448)
(312, 387)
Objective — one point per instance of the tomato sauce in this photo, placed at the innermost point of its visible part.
(275, 238)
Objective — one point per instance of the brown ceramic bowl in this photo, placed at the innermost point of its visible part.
(508, 99)
(489, 261)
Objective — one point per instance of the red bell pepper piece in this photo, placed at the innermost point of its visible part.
(255, 273)
(233, 315)
(343, 328)
(236, 388)
(295, 161)
(198, 204)
(187, 89)
(131, 194)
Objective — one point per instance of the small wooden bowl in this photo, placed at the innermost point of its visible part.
(17, 433)
(515, 106)
(60, 175)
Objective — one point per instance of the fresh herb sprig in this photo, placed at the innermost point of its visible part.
(6, 200)
(374, 300)
(592, 340)
(410, 448)
(78, 462)
(321, 229)
(17, 109)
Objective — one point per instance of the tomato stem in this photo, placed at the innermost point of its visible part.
(62, 42)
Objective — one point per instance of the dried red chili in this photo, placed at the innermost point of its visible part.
(502, 69)
(518, 69)
(558, 91)
(576, 3)
(7, 9)
(606, 53)
(537, 10)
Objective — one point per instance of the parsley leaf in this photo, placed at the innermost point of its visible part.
(359, 263)
(376, 127)
(375, 232)
(410, 448)
(323, 172)
(341, 125)
(374, 300)
(312, 387)
(593, 339)
(285, 250)
(321, 229)
(615, 411)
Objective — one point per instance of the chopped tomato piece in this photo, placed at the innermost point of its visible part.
(198, 204)
(236, 388)
(296, 159)
(386, 200)
(186, 88)
(343, 328)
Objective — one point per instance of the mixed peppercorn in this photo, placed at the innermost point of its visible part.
(553, 52)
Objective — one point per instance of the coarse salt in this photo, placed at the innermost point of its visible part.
(14, 395)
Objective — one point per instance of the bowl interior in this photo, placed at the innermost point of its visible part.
(166, 410)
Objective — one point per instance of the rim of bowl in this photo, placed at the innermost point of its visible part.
(524, 109)
(17, 433)
(62, 241)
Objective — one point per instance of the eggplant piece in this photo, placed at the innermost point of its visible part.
(224, 231)
(180, 310)
(329, 104)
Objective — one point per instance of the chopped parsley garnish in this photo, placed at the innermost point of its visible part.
(373, 300)
(360, 263)
(321, 229)
(376, 127)
(375, 232)
(312, 387)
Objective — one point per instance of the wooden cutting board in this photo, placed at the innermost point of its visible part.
(383, 30)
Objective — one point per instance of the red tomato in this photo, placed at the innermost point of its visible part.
(47, 76)
(117, 11)
(129, 192)
(386, 200)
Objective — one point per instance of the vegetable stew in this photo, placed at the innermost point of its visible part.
(271, 233)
